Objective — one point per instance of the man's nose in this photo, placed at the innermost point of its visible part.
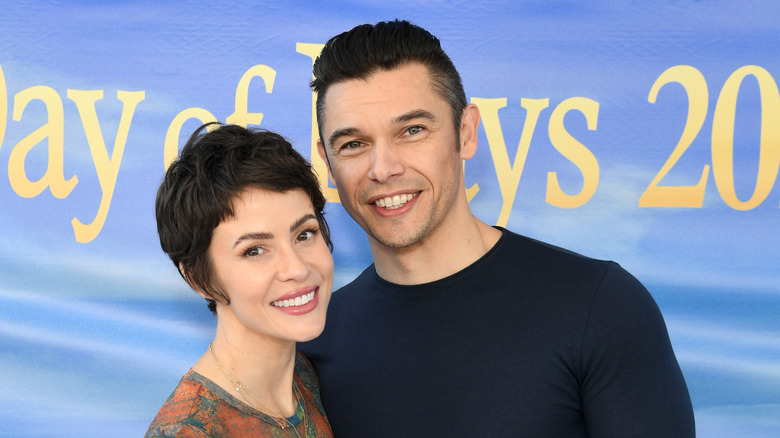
(385, 163)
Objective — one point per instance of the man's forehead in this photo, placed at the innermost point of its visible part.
(410, 76)
(389, 94)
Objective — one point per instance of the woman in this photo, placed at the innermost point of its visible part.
(240, 214)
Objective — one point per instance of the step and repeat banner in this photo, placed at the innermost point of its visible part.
(643, 132)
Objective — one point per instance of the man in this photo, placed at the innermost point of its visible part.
(460, 328)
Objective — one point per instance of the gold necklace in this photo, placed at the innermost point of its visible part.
(281, 421)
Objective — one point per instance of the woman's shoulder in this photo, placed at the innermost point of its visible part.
(182, 410)
(305, 371)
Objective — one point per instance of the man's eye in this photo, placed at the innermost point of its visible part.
(351, 145)
(414, 130)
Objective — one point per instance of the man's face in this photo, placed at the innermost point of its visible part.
(393, 154)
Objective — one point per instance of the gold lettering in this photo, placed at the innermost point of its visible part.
(242, 116)
(508, 174)
(171, 147)
(53, 130)
(698, 99)
(107, 168)
(575, 151)
(317, 163)
(471, 192)
(723, 138)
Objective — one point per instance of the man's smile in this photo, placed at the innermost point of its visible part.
(395, 201)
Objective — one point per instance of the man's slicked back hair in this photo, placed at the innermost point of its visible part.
(360, 52)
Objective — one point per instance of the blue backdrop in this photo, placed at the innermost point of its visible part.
(643, 132)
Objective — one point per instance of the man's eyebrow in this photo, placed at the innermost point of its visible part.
(341, 133)
(416, 114)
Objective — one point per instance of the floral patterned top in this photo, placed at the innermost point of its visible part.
(200, 408)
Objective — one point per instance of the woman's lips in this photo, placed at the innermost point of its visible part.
(298, 302)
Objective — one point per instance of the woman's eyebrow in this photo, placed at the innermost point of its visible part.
(264, 235)
(257, 235)
(302, 220)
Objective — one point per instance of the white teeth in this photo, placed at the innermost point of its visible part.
(298, 301)
(394, 201)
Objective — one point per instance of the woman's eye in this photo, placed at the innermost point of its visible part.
(253, 251)
(306, 235)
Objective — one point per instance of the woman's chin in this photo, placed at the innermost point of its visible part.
(308, 332)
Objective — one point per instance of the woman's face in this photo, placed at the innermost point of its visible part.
(272, 261)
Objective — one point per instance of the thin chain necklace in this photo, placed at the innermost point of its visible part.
(281, 421)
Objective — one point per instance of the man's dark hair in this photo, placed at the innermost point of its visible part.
(200, 186)
(365, 49)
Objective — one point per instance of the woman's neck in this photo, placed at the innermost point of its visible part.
(256, 370)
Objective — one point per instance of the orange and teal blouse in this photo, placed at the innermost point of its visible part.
(200, 408)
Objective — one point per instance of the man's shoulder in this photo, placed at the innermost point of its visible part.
(530, 249)
(366, 277)
(541, 263)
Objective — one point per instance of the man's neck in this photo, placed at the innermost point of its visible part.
(444, 252)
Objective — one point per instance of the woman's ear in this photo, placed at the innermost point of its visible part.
(186, 276)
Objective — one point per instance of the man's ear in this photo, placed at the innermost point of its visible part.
(324, 156)
(469, 127)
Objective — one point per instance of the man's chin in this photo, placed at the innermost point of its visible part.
(396, 239)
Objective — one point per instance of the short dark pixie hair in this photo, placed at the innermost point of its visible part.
(366, 49)
(200, 186)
